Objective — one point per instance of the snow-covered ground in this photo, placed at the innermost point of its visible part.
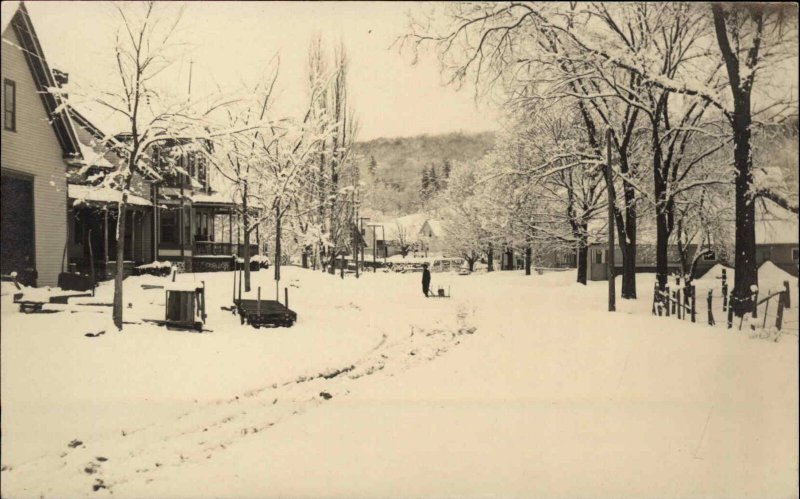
(516, 386)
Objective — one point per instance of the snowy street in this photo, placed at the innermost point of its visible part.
(378, 391)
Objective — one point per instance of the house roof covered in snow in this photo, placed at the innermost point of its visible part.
(436, 227)
(102, 195)
(18, 20)
(410, 224)
(776, 232)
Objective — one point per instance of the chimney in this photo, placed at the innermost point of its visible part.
(61, 77)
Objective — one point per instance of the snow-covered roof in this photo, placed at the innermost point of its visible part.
(410, 223)
(776, 232)
(436, 226)
(102, 194)
(213, 198)
(93, 158)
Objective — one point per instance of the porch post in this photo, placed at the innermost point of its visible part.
(230, 229)
(133, 236)
(258, 238)
(155, 223)
(105, 234)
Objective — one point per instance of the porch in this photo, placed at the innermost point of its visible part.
(92, 232)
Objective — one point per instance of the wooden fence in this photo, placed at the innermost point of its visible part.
(680, 301)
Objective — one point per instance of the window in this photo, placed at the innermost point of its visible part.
(10, 105)
(169, 223)
(201, 170)
(795, 254)
(710, 256)
(599, 256)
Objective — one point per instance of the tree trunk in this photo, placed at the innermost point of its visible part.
(246, 250)
(582, 263)
(490, 259)
(627, 242)
(746, 275)
(629, 275)
(471, 263)
(277, 245)
(662, 238)
(528, 254)
(306, 250)
(118, 304)
(332, 263)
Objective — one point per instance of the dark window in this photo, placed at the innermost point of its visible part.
(598, 256)
(169, 226)
(795, 254)
(10, 105)
(201, 170)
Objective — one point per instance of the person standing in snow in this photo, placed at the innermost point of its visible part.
(426, 279)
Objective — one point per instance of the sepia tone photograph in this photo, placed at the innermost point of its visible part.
(399, 249)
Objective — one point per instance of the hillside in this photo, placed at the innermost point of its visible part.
(392, 168)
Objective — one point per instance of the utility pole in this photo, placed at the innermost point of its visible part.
(363, 233)
(611, 202)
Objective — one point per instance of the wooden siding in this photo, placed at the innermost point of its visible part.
(34, 150)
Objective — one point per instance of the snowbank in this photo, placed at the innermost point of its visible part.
(517, 386)
(769, 272)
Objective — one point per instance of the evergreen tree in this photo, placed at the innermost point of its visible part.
(373, 165)
(446, 166)
(433, 180)
(426, 182)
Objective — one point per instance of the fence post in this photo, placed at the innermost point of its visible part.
(730, 313)
(779, 318)
(655, 298)
(766, 309)
(692, 298)
(755, 304)
(258, 303)
(665, 298)
(286, 297)
(710, 308)
(787, 299)
(724, 292)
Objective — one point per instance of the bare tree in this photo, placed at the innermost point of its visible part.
(145, 47)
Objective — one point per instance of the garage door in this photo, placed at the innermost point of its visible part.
(16, 227)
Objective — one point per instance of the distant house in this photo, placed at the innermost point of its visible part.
(37, 144)
(387, 238)
(776, 241)
(431, 235)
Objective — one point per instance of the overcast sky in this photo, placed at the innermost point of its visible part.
(231, 42)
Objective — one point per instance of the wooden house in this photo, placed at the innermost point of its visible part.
(179, 218)
(37, 144)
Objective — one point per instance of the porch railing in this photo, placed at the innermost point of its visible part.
(208, 248)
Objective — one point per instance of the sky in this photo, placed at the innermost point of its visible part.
(231, 42)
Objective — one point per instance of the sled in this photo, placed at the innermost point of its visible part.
(35, 305)
(258, 313)
(440, 293)
(269, 313)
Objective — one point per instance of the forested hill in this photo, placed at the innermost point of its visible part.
(392, 168)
